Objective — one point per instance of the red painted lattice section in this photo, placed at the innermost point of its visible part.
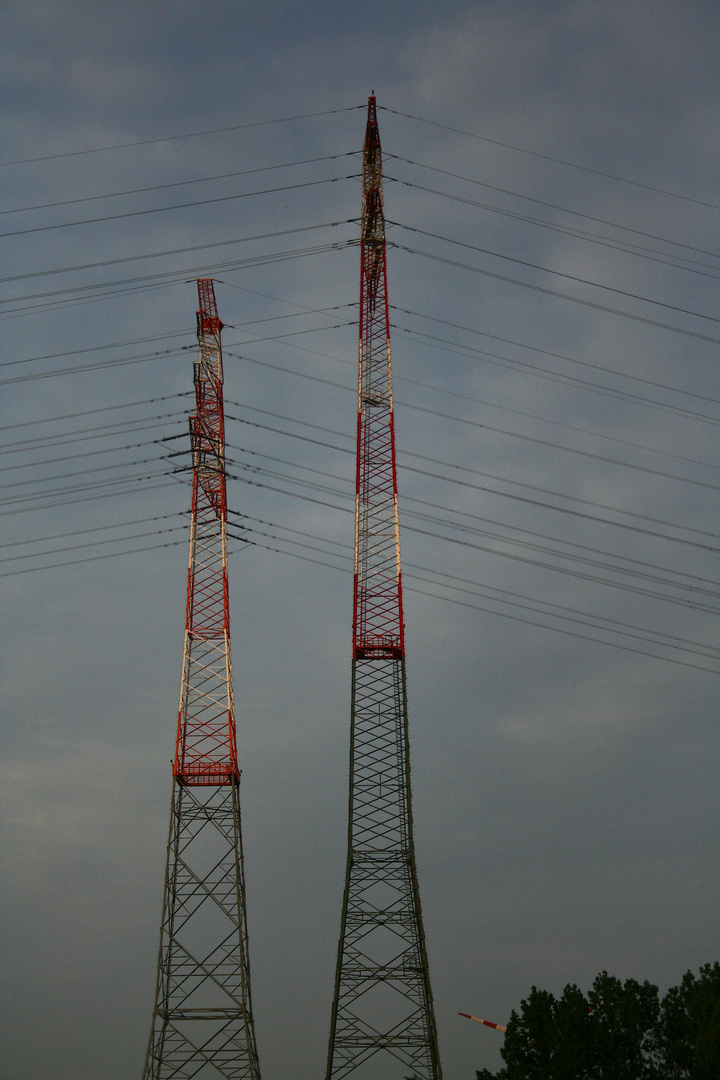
(206, 750)
(378, 617)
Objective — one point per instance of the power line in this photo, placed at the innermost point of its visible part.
(98, 409)
(492, 428)
(178, 251)
(583, 618)
(654, 641)
(343, 388)
(569, 359)
(178, 206)
(643, 529)
(95, 543)
(555, 423)
(504, 614)
(559, 446)
(91, 558)
(506, 596)
(97, 365)
(94, 529)
(175, 138)
(535, 370)
(178, 183)
(556, 273)
(106, 489)
(164, 279)
(555, 160)
(409, 588)
(555, 206)
(26, 483)
(562, 379)
(628, 572)
(83, 454)
(94, 348)
(559, 295)
(638, 251)
(637, 567)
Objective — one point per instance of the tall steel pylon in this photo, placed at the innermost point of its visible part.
(202, 1023)
(382, 1022)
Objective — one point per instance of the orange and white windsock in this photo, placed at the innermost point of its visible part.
(487, 1023)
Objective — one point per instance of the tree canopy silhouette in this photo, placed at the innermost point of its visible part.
(619, 1031)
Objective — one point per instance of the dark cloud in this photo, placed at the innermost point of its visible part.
(564, 789)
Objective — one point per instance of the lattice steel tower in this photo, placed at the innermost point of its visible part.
(382, 1023)
(202, 1024)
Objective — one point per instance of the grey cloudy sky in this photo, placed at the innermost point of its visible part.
(553, 274)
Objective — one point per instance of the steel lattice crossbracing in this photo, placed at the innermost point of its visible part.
(202, 1025)
(382, 1024)
(202, 1022)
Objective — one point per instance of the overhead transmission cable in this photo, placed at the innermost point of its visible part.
(178, 183)
(626, 574)
(637, 251)
(595, 622)
(177, 206)
(676, 644)
(538, 605)
(184, 135)
(97, 409)
(492, 428)
(178, 251)
(462, 526)
(534, 489)
(555, 160)
(654, 640)
(583, 302)
(557, 273)
(558, 356)
(532, 369)
(556, 206)
(580, 552)
(162, 279)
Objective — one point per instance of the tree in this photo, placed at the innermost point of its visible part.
(550, 1040)
(688, 1032)
(620, 1031)
(606, 1036)
(624, 1022)
(529, 1042)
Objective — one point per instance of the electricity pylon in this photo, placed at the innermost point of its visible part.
(202, 1023)
(382, 1023)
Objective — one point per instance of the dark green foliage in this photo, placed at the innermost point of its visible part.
(688, 1037)
(528, 1042)
(624, 1022)
(620, 1031)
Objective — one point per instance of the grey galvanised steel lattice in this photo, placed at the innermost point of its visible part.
(202, 1025)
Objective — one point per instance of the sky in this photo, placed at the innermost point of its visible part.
(553, 225)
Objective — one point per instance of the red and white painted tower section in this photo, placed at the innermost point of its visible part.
(202, 1022)
(382, 1021)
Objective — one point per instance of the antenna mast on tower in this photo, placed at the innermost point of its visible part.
(382, 1008)
(202, 1023)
